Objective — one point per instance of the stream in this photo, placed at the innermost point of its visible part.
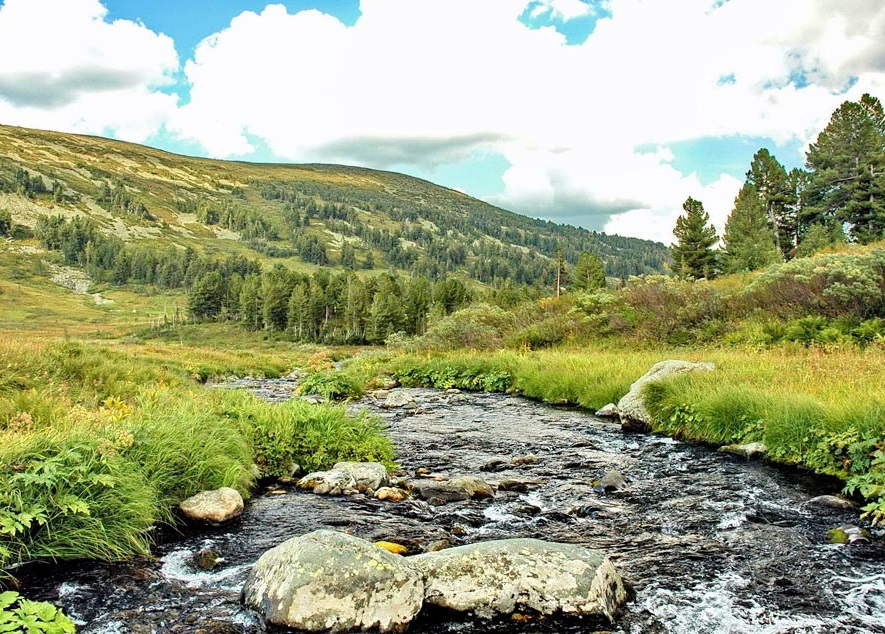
(711, 543)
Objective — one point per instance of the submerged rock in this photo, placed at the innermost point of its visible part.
(214, 507)
(515, 575)
(328, 581)
(749, 450)
(631, 407)
(612, 481)
(366, 475)
(848, 535)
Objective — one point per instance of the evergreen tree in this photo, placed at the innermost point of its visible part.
(847, 170)
(692, 253)
(589, 273)
(250, 302)
(298, 313)
(206, 296)
(5, 222)
(772, 185)
(750, 240)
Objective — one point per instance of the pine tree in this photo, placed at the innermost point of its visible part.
(772, 185)
(749, 238)
(589, 273)
(692, 253)
(847, 170)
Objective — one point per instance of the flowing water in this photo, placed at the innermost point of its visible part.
(710, 543)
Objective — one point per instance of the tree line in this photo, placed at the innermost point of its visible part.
(779, 215)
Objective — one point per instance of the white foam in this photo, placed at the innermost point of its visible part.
(716, 607)
(177, 566)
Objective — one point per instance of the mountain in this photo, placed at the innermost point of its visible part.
(301, 216)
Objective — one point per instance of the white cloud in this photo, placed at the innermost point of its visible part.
(562, 9)
(66, 68)
(425, 82)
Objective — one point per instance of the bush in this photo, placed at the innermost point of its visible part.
(480, 327)
(330, 384)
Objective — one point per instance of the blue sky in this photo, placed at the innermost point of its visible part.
(600, 113)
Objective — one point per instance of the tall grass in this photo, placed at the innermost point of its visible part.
(99, 444)
(820, 409)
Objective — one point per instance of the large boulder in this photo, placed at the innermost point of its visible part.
(366, 475)
(631, 408)
(213, 507)
(328, 581)
(331, 482)
(399, 398)
(514, 575)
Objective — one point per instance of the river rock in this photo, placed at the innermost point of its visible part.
(511, 484)
(749, 450)
(506, 576)
(214, 507)
(521, 461)
(391, 494)
(332, 482)
(435, 490)
(612, 481)
(475, 487)
(609, 411)
(830, 503)
(366, 475)
(631, 407)
(328, 581)
(399, 398)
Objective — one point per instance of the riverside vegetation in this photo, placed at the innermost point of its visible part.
(105, 424)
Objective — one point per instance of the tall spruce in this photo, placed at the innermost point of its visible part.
(589, 273)
(749, 237)
(692, 253)
(772, 185)
(847, 171)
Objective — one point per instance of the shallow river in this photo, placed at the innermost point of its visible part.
(710, 543)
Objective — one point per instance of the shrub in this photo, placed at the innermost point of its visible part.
(481, 327)
(330, 384)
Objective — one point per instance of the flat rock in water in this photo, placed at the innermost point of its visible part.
(454, 490)
(631, 408)
(398, 398)
(830, 502)
(366, 475)
(214, 507)
(514, 575)
(328, 581)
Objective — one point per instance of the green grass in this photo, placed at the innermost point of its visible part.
(819, 409)
(99, 441)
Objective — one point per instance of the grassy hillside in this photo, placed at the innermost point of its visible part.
(298, 215)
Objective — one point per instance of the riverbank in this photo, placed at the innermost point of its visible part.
(100, 442)
(822, 410)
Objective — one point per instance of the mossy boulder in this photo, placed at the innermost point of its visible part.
(511, 576)
(328, 581)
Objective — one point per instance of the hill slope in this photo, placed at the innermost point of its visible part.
(299, 215)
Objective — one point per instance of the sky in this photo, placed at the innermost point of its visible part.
(605, 114)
